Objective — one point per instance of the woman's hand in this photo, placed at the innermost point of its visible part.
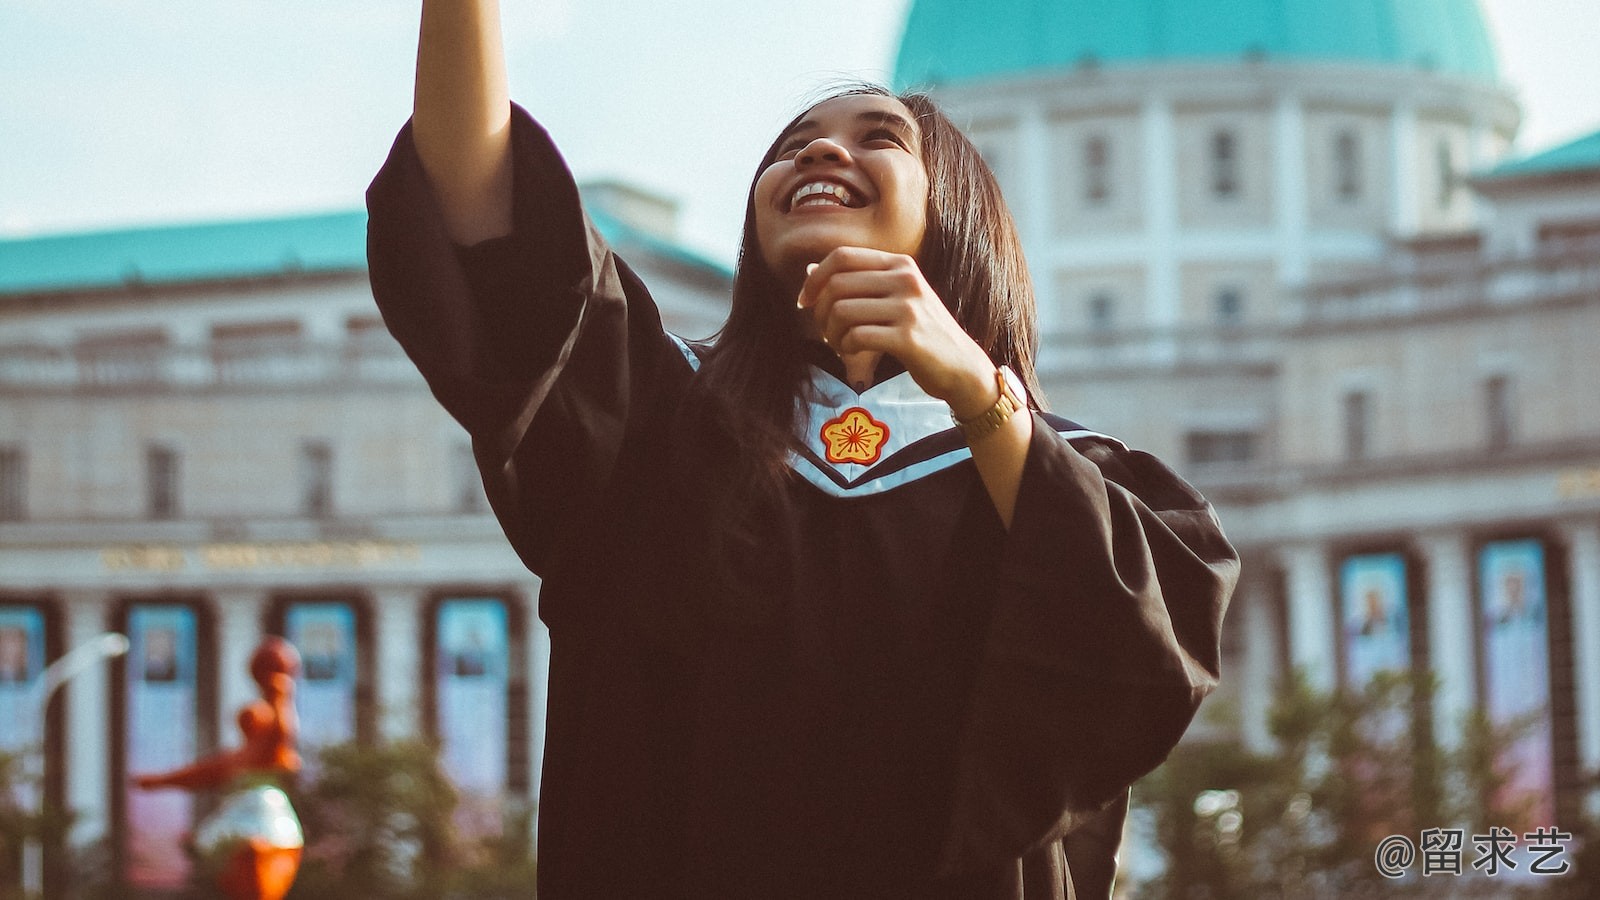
(866, 302)
(461, 116)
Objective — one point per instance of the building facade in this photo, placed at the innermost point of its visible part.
(1280, 246)
(1277, 244)
(207, 435)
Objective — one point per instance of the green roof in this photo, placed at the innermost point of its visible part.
(174, 254)
(229, 251)
(1581, 154)
(958, 41)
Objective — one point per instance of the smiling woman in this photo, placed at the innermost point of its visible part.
(836, 609)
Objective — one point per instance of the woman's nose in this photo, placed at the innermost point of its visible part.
(822, 150)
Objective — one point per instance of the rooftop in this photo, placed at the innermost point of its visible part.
(954, 41)
(240, 250)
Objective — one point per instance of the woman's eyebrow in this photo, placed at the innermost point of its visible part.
(876, 117)
(893, 120)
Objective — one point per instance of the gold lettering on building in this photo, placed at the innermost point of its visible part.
(1575, 483)
(143, 558)
(252, 555)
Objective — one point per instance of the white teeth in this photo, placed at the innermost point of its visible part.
(818, 193)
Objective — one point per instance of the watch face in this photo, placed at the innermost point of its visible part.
(1018, 392)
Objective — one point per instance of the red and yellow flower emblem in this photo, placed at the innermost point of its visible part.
(854, 437)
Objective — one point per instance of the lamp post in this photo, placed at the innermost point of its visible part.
(73, 663)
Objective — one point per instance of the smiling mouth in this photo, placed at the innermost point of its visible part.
(824, 193)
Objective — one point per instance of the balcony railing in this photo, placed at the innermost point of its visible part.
(1161, 348)
(1573, 272)
(181, 367)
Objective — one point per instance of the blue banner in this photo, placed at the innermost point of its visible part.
(325, 698)
(1514, 615)
(471, 656)
(21, 706)
(1374, 612)
(161, 711)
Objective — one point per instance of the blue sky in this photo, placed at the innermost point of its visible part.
(116, 112)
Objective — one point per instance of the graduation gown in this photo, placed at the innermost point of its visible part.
(894, 696)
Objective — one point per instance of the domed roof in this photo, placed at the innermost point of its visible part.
(959, 41)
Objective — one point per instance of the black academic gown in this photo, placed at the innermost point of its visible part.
(894, 696)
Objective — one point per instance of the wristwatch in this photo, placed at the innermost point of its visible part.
(989, 421)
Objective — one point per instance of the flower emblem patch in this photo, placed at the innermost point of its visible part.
(854, 437)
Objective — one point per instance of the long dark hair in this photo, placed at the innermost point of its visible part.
(749, 389)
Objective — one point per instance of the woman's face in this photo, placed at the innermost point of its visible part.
(849, 173)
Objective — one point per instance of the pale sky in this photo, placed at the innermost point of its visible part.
(118, 112)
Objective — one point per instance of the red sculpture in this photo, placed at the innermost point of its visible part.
(253, 841)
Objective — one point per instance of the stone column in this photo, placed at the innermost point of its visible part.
(1450, 612)
(1404, 215)
(1258, 673)
(1158, 134)
(87, 744)
(397, 617)
(239, 613)
(1312, 618)
(1291, 218)
(1583, 543)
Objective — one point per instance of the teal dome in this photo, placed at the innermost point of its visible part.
(960, 41)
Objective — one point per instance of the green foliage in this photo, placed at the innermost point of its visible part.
(18, 824)
(1352, 768)
(379, 824)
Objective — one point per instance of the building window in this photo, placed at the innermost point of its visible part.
(469, 486)
(1229, 306)
(1347, 166)
(1210, 448)
(1357, 424)
(161, 482)
(13, 485)
(1102, 311)
(1224, 165)
(1497, 411)
(1097, 170)
(1447, 174)
(316, 478)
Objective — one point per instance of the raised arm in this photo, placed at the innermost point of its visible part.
(461, 117)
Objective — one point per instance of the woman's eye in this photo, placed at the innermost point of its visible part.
(884, 136)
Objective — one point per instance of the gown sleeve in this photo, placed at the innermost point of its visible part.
(542, 344)
(1104, 635)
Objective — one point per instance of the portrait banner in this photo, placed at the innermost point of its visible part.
(471, 658)
(1514, 615)
(1375, 616)
(160, 734)
(21, 704)
(325, 699)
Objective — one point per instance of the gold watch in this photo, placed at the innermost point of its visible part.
(989, 421)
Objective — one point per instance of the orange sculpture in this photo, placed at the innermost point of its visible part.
(253, 842)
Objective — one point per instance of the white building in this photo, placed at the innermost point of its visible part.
(1275, 244)
(207, 435)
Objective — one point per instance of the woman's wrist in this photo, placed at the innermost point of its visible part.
(975, 390)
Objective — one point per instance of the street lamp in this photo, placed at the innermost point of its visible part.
(71, 664)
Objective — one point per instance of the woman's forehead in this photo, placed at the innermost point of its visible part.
(848, 108)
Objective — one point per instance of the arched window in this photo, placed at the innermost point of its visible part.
(1229, 305)
(1102, 311)
(1447, 173)
(1497, 411)
(1357, 424)
(1347, 165)
(1224, 164)
(1096, 170)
